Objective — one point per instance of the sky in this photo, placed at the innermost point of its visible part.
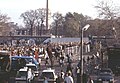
(14, 8)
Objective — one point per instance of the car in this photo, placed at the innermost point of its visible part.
(26, 58)
(21, 61)
(49, 74)
(22, 75)
(105, 78)
(18, 62)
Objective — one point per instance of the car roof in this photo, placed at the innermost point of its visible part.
(22, 57)
(105, 69)
(23, 69)
(30, 64)
(25, 57)
(49, 70)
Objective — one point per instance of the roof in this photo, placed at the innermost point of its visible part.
(30, 64)
(49, 70)
(22, 57)
(26, 57)
(65, 40)
(23, 69)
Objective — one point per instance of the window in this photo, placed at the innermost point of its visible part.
(48, 75)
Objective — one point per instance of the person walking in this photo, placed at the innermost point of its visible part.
(62, 74)
(69, 68)
(49, 52)
(69, 78)
(59, 79)
(30, 75)
(78, 74)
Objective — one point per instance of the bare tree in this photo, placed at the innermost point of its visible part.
(34, 19)
(5, 24)
(29, 19)
(109, 12)
(68, 25)
(107, 9)
(57, 25)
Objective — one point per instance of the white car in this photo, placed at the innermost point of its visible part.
(49, 74)
(22, 75)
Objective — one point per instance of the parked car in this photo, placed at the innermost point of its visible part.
(18, 62)
(21, 61)
(105, 76)
(22, 76)
(49, 74)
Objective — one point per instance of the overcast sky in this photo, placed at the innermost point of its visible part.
(15, 7)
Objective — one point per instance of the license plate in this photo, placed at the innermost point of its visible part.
(105, 82)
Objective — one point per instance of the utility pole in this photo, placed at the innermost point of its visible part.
(47, 14)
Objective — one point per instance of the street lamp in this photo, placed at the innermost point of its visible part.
(81, 51)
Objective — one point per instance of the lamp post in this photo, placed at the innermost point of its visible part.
(81, 51)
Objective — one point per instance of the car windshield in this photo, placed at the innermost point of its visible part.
(27, 60)
(47, 74)
(105, 74)
(105, 71)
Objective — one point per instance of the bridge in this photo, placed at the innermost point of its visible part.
(4, 39)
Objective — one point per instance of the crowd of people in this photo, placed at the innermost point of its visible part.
(65, 77)
(45, 51)
(51, 51)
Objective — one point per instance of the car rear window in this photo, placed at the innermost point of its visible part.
(47, 74)
(105, 74)
(32, 67)
(107, 71)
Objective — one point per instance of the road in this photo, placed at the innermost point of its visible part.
(75, 61)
